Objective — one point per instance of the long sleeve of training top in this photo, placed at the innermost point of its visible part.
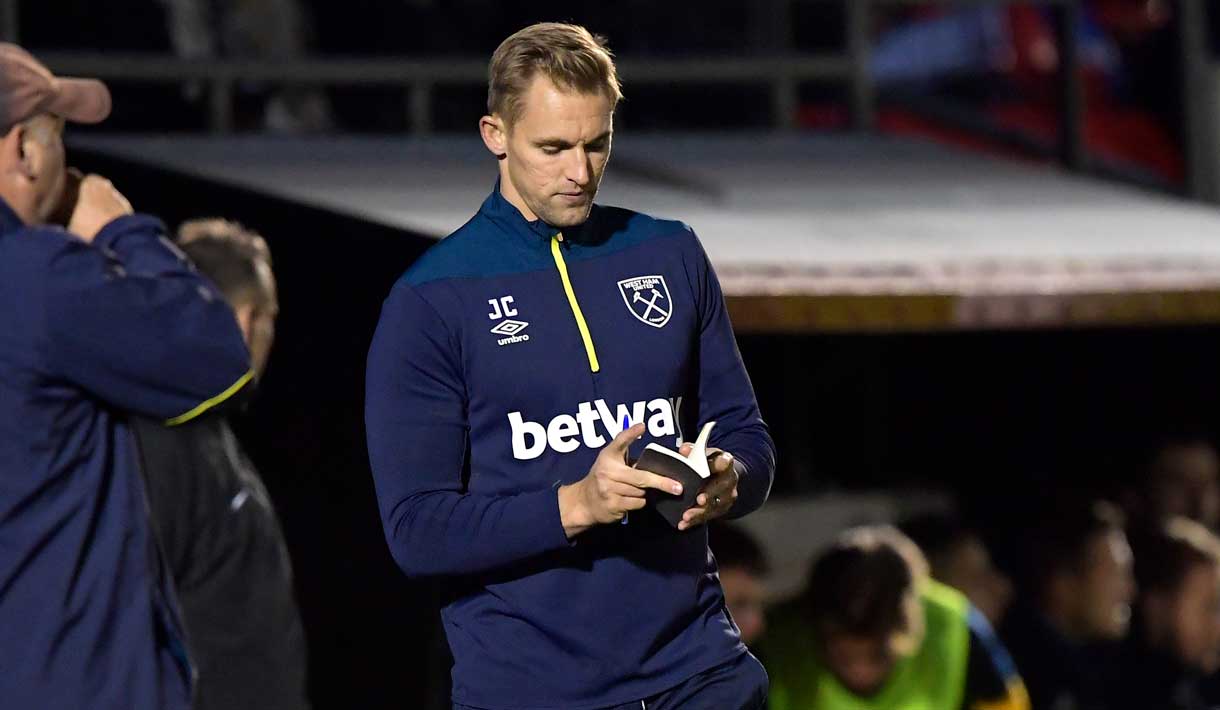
(739, 430)
(97, 331)
(417, 431)
(130, 320)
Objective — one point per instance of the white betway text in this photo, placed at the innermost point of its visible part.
(593, 425)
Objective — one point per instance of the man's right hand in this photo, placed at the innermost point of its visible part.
(98, 203)
(611, 489)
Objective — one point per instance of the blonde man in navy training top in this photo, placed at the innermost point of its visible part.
(517, 368)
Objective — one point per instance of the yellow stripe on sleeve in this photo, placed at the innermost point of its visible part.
(210, 403)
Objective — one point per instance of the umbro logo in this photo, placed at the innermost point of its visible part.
(510, 328)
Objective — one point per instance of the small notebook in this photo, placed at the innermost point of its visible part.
(692, 472)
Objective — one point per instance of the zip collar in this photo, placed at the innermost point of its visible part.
(506, 215)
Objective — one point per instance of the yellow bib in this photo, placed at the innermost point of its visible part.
(933, 678)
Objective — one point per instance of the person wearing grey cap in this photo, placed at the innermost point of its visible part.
(102, 317)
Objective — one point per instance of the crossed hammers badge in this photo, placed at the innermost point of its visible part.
(647, 297)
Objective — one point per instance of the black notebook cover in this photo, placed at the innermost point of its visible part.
(671, 507)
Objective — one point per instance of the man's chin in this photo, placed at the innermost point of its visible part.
(571, 217)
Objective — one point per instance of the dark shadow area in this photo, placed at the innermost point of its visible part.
(992, 416)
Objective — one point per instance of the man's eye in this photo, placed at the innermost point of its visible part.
(597, 147)
(550, 150)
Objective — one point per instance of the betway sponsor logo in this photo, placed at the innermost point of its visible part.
(593, 425)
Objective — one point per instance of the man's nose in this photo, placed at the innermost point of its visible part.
(577, 169)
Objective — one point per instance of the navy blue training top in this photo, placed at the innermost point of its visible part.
(88, 332)
(486, 392)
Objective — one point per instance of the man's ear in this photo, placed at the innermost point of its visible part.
(245, 319)
(13, 151)
(495, 135)
(32, 156)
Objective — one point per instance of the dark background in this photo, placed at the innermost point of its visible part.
(994, 418)
(1000, 420)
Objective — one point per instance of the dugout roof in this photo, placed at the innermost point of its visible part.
(808, 233)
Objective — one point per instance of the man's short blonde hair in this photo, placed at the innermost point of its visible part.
(568, 55)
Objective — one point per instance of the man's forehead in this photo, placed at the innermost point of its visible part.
(846, 642)
(546, 107)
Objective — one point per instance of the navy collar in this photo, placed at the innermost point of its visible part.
(9, 221)
(506, 214)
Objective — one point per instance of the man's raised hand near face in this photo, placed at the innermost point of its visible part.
(98, 203)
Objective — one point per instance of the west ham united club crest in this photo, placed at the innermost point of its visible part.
(647, 297)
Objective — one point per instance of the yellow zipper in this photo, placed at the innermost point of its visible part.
(580, 317)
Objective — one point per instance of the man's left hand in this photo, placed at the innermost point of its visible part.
(720, 493)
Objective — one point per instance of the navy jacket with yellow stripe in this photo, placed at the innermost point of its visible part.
(87, 334)
(505, 358)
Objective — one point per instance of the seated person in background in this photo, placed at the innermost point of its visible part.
(1078, 568)
(213, 518)
(875, 632)
(959, 558)
(1175, 639)
(743, 571)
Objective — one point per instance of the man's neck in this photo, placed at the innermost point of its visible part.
(14, 205)
(510, 195)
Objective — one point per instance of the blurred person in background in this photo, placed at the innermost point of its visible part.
(213, 517)
(1183, 480)
(1075, 603)
(874, 631)
(743, 569)
(1005, 59)
(959, 557)
(268, 30)
(102, 318)
(1175, 639)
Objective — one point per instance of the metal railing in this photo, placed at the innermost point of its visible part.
(420, 77)
(782, 74)
(1200, 102)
